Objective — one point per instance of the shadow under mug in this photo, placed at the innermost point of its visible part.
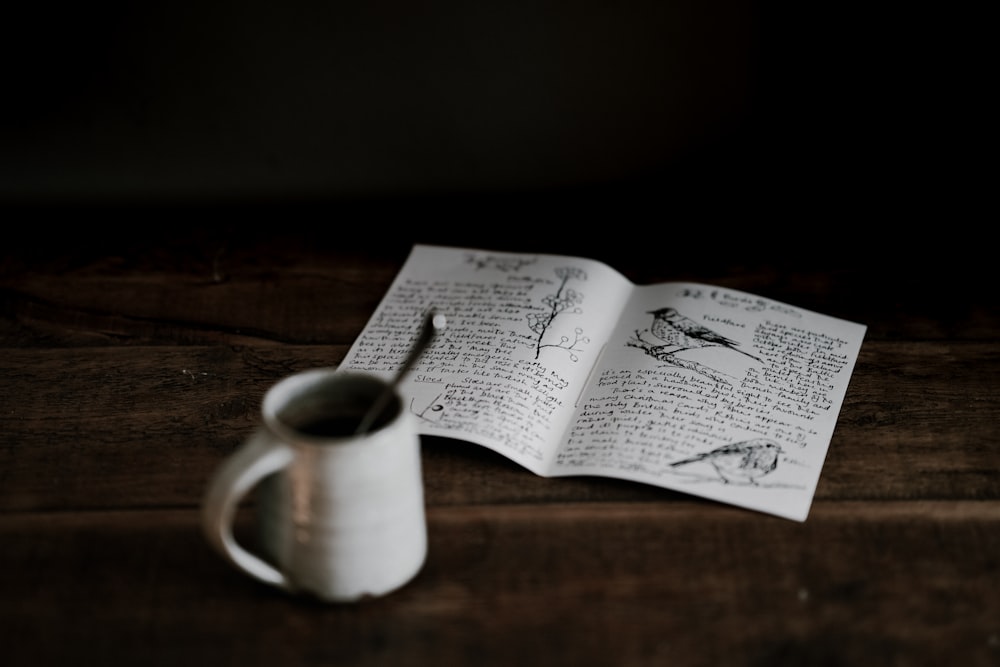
(340, 515)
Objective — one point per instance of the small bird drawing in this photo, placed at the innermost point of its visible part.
(675, 330)
(745, 461)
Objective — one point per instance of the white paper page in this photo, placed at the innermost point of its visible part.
(773, 396)
(523, 332)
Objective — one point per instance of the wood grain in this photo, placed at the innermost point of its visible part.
(134, 363)
(616, 583)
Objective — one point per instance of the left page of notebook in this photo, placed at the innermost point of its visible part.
(524, 332)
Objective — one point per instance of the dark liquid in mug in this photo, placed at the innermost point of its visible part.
(334, 426)
(316, 416)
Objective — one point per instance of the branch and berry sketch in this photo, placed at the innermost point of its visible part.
(557, 304)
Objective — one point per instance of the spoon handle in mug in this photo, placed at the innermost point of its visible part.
(433, 322)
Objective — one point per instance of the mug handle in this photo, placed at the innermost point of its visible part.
(260, 456)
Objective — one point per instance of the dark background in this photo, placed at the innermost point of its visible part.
(768, 119)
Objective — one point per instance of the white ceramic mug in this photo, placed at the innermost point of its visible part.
(340, 515)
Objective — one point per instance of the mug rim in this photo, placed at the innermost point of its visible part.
(285, 391)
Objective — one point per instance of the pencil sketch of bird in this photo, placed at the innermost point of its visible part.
(741, 461)
(675, 330)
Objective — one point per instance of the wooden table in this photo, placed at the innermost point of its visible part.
(137, 343)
